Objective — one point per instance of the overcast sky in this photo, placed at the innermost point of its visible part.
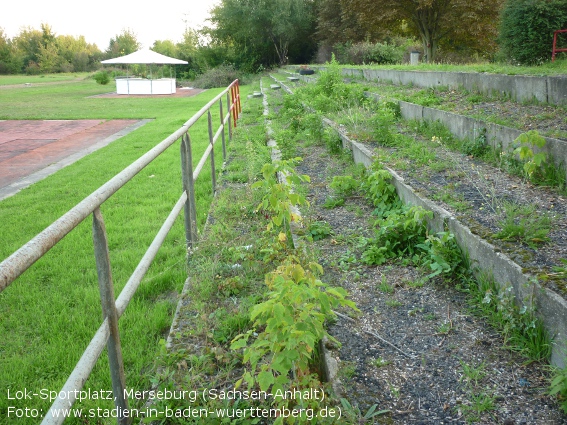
(99, 21)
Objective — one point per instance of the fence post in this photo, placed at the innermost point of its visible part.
(109, 311)
(211, 141)
(189, 188)
(229, 106)
(222, 125)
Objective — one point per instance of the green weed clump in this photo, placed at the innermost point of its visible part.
(522, 330)
(330, 92)
(278, 196)
(290, 323)
(381, 192)
(525, 224)
(558, 387)
(398, 235)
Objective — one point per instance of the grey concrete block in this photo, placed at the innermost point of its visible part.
(528, 88)
(352, 72)
(549, 307)
(411, 111)
(557, 90)
(361, 154)
(552, 310)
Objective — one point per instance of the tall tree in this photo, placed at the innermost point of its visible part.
(77, 54)
(29, 42)
(433, 21)
(262, 29)
(338, 23)
(123, 44)
(11, 60)
(165, 47)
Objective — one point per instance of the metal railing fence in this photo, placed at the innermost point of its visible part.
(107, 334)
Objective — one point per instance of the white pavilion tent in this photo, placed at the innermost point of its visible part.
(130, 85)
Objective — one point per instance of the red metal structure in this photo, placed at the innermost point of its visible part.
(235, 107)
(555, 49)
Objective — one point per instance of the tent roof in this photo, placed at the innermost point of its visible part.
(145, 56)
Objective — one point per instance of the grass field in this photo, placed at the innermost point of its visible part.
(44, 78)
(49, 314)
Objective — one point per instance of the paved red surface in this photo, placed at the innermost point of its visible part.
(28, 146)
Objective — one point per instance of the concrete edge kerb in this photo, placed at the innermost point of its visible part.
(550, 307)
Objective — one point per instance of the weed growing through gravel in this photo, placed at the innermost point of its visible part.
(319, 230)
(385, 287)
(480, 399)
(524, 223)
(352, 414)
(558, 387)
(472, 373)
(380, 362)
(392, 302)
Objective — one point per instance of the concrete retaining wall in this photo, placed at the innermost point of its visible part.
(522, 88)
(550, 307)
(498, 136)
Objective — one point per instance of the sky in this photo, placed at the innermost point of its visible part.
(99, 21)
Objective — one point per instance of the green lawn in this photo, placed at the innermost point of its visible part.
(49, 314)
(44, 78)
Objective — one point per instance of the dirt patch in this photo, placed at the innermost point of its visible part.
(180, 92)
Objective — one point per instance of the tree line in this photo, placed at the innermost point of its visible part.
(255, 34)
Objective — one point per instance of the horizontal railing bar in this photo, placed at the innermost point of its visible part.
(205, 156)
(79, 376)
(217, 134)
(17, 263)
(201, 163)
(132, 285)
(205, 108)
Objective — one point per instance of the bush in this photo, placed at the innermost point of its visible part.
(526, 32)
(32, 68)
(221, 76)
(102, 77)
(369, 53)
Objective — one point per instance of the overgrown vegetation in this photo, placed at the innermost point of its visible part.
(265, 336)
(402, 236)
